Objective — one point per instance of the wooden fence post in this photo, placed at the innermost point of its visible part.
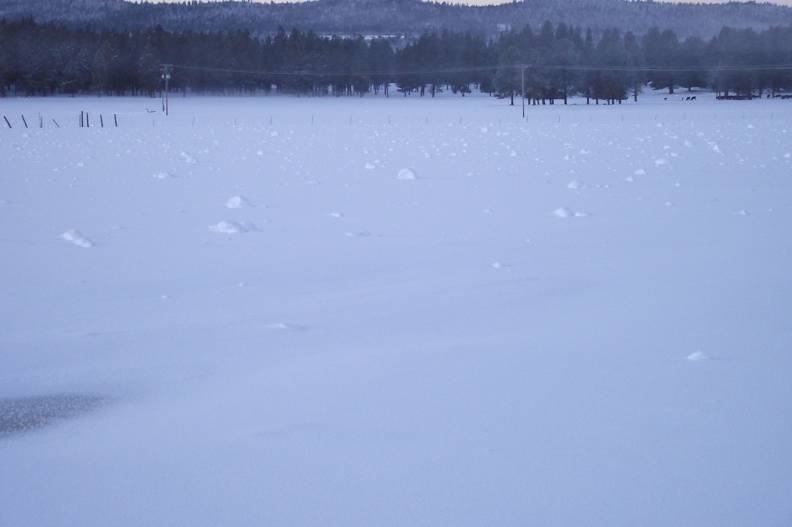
(115, 118)
(7, 121)
(24, 121)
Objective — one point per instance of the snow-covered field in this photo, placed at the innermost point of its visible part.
(396, 312)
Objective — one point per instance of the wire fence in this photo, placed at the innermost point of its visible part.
(82, 120)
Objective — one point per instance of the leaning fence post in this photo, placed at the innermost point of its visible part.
(41, 121)
(7, 121)
(56, 122)
(101, 120)
(115, 118)
(24, 121)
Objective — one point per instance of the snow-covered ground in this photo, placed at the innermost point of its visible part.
(398, 311)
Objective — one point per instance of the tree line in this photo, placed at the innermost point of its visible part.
(552, 62)
(400, 17)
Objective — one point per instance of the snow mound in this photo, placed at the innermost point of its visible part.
(697, 356)
(163, 175)
(370, 166)
(574, 185)
(237, 202)
(75, 238)
(232, 227)
(639, 172)
(405, 174)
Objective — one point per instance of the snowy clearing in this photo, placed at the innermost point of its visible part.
(396, 311)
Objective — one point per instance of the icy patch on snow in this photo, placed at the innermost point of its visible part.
(285, 326)
(696, 356)
(232, 227)
(405, 174)
(562, 212)
(237, 202)
(357, 234)
(74, 237)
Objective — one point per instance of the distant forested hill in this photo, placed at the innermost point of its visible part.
(403, 17)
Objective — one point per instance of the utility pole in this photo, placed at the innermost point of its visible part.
(166, 70)
(522, 89)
